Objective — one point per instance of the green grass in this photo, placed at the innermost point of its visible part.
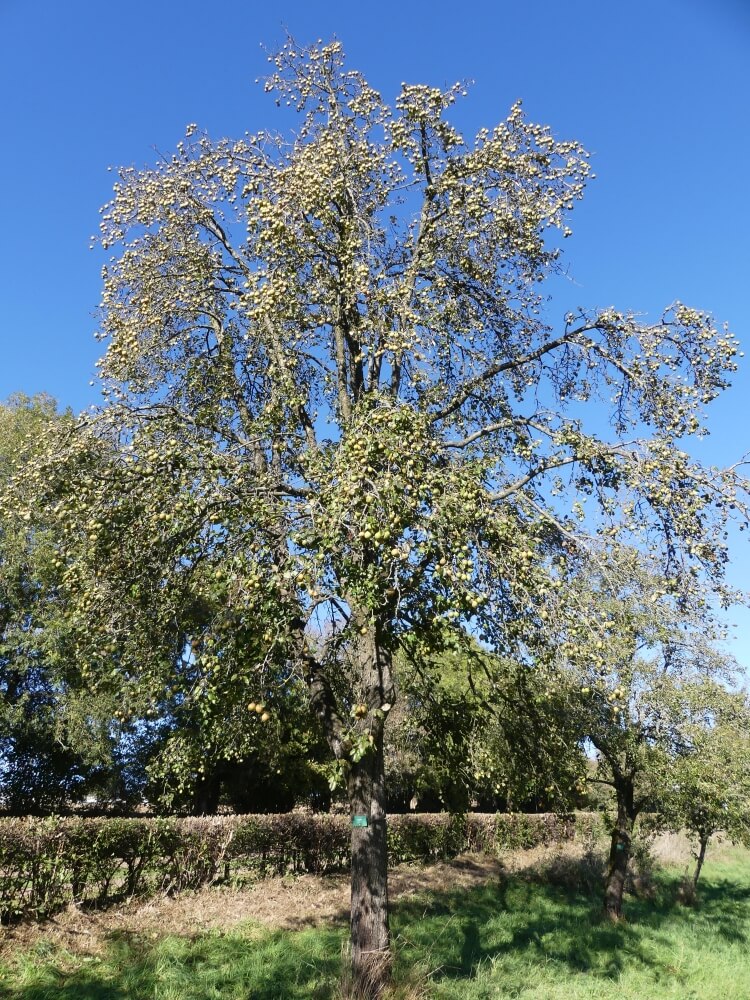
(253, 964)
(519, 938)
(542, 942)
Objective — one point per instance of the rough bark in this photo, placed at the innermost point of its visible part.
(370, 935)
(373, 691)
(619, 856)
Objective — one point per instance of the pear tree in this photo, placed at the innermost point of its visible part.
(646, 682)
(707, 791)
(338, 405)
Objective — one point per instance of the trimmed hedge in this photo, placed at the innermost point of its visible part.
(46, 864)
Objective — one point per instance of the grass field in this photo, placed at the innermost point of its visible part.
(520, 935)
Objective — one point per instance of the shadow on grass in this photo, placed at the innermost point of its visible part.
(726, 905)
(461, 931)
(272, 966)
(515, 924)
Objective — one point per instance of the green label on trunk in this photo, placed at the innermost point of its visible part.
(359, 821)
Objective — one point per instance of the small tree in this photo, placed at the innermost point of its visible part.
(642, 676)
(338, 406)
(707, 789)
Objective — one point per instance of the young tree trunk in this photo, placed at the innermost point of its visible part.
(704, 838)
(370, 936)
(619, 856)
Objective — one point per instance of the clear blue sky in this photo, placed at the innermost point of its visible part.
(658, 90)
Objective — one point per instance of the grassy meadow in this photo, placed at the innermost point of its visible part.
(530, 934)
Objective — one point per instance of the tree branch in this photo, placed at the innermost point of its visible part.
(465, 391)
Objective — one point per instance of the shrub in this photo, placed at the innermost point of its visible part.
(45, 864)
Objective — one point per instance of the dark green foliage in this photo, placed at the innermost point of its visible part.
(475, 730)
(56, 741)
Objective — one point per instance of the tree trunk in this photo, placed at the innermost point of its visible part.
(359, 745)
(206, 796)
(370, 936)
(619, 856)
(704, 838)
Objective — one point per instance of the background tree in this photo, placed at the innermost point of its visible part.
(183, 746)
(472, 729)
(55, 740)
(336, 402)
(644, 678)
(707, 790)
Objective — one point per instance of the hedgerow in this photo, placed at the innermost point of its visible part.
(46, 864)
